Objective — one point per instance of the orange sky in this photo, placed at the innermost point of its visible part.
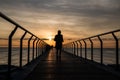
(75, 18)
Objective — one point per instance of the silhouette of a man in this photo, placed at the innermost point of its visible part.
(58, 45)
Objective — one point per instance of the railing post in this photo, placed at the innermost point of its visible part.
(34, 48)
(41, 47)
(70, 48)
(21, 49)
(80, 48)
(74, 48)
(37, 47)
(10, 50)
(28, 59)
(91, 48)
(85, 49)
(40, 44)
(117, 50)
(44, 47)
(77, 47)
(101, 45)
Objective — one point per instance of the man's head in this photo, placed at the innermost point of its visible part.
(59, 31)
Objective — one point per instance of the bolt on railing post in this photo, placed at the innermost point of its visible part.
(117, 50)
(101, 45)
(85, 49)
(37, 47)
(80, 48)
(77, 47)
(91, 48)
(10, 50)
(21, 48)
(34, 48)
(28, 56)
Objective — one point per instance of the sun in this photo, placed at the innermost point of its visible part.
(50, 38)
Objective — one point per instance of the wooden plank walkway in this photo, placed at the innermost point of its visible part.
(68, 68)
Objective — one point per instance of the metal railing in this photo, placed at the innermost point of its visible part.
(80, 47)
(38, 45)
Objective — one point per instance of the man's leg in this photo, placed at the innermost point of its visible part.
(60, 52)
(56, 52)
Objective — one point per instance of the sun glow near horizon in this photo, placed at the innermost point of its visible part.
(50, 38)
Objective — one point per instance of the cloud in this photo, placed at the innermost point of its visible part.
(88, 8)
(79, 18)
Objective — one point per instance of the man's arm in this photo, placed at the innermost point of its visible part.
(55, 38)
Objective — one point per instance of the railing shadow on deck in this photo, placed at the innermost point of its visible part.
(35, 47)
(102, 48)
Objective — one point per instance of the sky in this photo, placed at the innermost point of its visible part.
(76, 19)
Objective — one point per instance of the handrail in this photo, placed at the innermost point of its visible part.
(101, 41)
(36, 46)
(13, 22)
(102, 34)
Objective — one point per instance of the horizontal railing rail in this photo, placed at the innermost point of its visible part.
(16, 24)
(38, 45)
(77, 47)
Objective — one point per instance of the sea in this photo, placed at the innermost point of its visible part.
(15, 56)
(109, 55)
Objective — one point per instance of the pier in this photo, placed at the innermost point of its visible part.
(77, 62)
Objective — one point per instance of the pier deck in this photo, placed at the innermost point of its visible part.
(67, 68)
